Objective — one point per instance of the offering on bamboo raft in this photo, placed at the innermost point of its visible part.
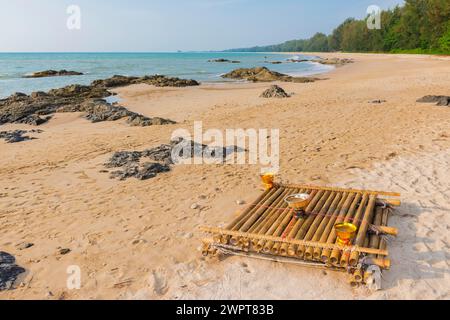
(268, 180)
(343, 230)
(298, 201)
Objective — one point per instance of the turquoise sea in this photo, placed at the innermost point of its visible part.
(13, 66)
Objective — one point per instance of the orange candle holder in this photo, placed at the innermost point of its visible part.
(268, 180)
(345, 232)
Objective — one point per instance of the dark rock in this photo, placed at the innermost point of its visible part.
(162, 154)
(224, 60)
(38, 94)
(64, 251)
(262, 74)
(130, 161)
(122, 158)
(444, 102)
(333, 61)
(24, 245)
(439, 100)
(53, 73)
(21, 108)
(33, 120)
(100, 110)
(163, 81)
(9, 271)
(297, 60)
(17, 135)
(77, 92)
(377, 101)
(156, 80)
(147, 171)
(151, 169)
(275, 92)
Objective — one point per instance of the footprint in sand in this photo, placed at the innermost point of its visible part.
(158, 281)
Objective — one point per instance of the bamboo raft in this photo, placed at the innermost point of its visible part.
(270, 229)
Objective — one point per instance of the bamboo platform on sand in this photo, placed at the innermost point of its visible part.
(271, 229)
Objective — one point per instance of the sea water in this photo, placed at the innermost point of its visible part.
(189, 65)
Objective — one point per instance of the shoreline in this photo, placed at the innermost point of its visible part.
(139, 239)
(25, 84)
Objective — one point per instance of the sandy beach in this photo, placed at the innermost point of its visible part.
(139, 239)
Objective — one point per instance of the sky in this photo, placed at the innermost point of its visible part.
(169, 25)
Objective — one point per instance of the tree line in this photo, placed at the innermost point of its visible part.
(419, 26)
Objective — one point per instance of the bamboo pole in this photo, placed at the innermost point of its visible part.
(349, 205)
(317, 219)
(298, 223)
(276, 206)
(386, 230)
(360, 201)
(369, 192)
(357, 222)
(212, 230)
(282, 205)
(272, 216)
(264, 195)
(330, 225)
(358, 275)
(275, 248)
(374, 241)
(295, 233)
(244, 225)
(364, 227)
(310, 219)
(247, 225)
(271, 229)
(380, 261)
(236, 223)
(318, 232)
(384, 222)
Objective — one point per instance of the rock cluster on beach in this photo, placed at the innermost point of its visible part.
(275, 92)
(439, 100)
(17, 135)
(161, 158)
(333, 61)
(263, 74)
(37, 108)
(297, 60)
(53, 73)
(9, 271)
(224, 61)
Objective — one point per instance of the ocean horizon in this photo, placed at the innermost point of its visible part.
(99, 65)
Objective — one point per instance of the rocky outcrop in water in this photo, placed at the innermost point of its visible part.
(297, 60)
(38, 107)
(334, 61)
(17, 135)
(443, 101)
(224, 61)
(53, 73)
(275, 92)
(147, 164)
(263, 74)
(9, 271)
(155, 80)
